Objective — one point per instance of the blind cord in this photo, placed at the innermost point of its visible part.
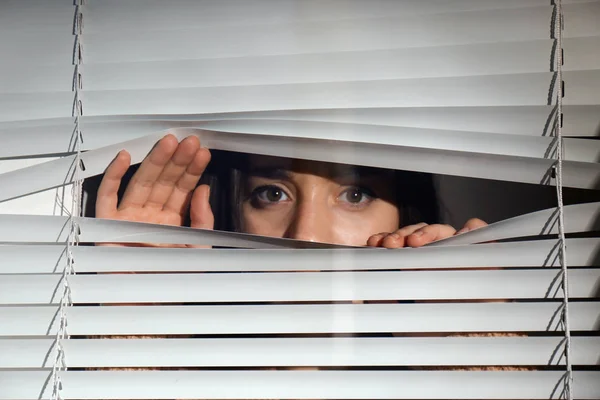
(558, 30)
(66, 300)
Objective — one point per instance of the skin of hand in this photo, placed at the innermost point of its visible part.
(420, 234)
(163, 189)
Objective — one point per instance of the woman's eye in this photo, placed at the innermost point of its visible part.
(356, 195)
(269, 194)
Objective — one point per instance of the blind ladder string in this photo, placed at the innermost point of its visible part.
(66, 300)
(558, 31)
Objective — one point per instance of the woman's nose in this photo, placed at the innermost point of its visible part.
(312, 223)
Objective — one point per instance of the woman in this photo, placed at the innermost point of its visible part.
(278, 197)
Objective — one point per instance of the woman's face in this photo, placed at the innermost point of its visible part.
(316, 201)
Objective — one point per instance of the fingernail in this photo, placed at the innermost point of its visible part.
(418, 233)
(395, 236)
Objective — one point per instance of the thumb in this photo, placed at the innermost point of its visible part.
(200, 212)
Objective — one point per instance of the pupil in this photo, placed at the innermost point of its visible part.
(274, 194)
(355, 196)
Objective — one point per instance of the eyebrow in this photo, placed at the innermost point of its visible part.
(269, 172)
(341, 172)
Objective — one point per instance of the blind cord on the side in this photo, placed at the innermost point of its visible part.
(558, 31)
(76, 208)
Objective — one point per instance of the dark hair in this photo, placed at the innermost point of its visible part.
(415, 192)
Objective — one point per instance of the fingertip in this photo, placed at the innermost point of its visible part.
(418, 238)
(474, 223)
(169, 142)
(124, 156)
(375, 240)
(205, 154)
(393, 241)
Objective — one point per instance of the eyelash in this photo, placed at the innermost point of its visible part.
(367, 195)
(257, 196)
(257, 201)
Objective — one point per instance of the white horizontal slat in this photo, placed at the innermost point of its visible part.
(44, 259)
(429, 62)
(543, 222)
(298, 352)
(581, 53)
(185, 14)
(529, 170)
(46, 202)
(55, 136)
(299, 286)
(477, 142)
(527, 120)
(53, 229)
(52, 47)
(25, 106)
(531, 23)
(300, 384)
(495, 90)
(300, 319)
(39, 16)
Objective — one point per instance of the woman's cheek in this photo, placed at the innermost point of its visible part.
(354, 227)
(265, 222)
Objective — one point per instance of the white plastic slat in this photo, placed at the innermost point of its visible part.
(184, 14)
(496, 90)
(522, 169)
(531, 23)
(300, 286)
(580, 150)
(40, 16)
(300, 384)
(49, 229)
(52, 47)
(526, 120)
(300, 319)
(25, 106)
(44, 259)
(298, 352)
(545, 222)
(55, 229)
(54, 136)
(429, 62)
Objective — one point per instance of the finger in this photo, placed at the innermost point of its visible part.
(409, 229)
(172, 172)
(107, 198)
(397, 239)
(472, 224)
(200, 212)
(143, 180)
(375, 240)
(428, 234)
(393, 241)
(179, 199)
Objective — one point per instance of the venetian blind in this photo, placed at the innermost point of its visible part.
(485, 89)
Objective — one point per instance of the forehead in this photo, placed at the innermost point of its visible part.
(259, 164)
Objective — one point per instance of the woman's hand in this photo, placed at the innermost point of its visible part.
(163, 189)
(420, 234)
